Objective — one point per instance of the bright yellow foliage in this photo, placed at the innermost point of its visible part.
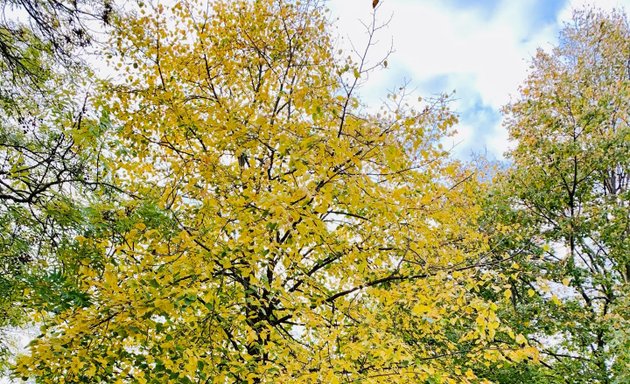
(311, 242)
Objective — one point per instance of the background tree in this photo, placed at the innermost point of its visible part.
(279, 232)
(50, 140)
(566, 199)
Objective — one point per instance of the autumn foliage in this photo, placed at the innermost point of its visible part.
(280, 233)
(252, 221)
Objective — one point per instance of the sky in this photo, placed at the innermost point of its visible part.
(481, 49)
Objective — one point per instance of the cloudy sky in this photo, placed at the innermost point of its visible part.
(479, 48)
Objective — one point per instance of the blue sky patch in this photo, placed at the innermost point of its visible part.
(485, 7)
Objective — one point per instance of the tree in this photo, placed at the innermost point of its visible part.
(50, 141)
(279, 232)
(566, 199)
(54, 26)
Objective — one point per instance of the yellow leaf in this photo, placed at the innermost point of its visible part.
(556, 300)
(91, 371)
(420, 309)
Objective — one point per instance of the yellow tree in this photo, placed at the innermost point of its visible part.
(281, 233)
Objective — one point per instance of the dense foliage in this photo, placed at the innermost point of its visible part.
(568, 202)
(224, 208)
(49, 150)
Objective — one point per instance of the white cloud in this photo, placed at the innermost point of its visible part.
(483, 55)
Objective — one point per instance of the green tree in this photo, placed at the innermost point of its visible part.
(562, 211)
(49, 144)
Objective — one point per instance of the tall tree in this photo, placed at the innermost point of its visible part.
(280, 233)
(567, 200)
(49, 145)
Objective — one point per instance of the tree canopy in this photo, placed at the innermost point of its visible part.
(567, 199)
(280, 232)
(224, 208)
(49, 149)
